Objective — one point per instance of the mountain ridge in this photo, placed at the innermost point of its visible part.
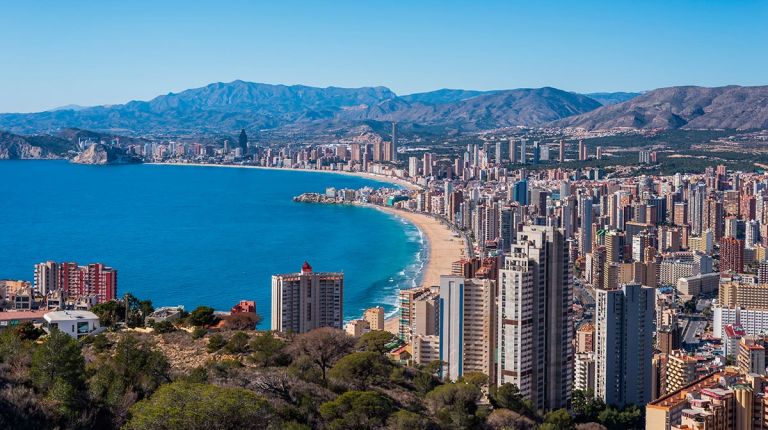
(686, 107)
(228, 107)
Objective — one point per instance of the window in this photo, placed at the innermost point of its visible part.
(82, 327)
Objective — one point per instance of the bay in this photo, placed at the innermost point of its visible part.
(201, 235)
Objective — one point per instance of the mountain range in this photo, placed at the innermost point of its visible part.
(688, 107)
(228, 107)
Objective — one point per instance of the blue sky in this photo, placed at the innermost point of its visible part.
(101, 52)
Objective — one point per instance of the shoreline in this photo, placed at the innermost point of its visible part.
(442, 247)
(442, 250)
(372, 176)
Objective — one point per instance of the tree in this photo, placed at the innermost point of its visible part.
(22, 409)
(376, 340)
(503, 419)
(163, 327)
(361, 369)
(323, 346)
(477, 379)
(356, 410)
(134, 372)
(58, 369)
(199, 332)
(237, 344)
(190, 406)
(586, 406)
(100, 342)
(268, 350)
(11, 346)
(508, 396)
(406, 420)
(109, 313)
(629, 418)
(558, 419)
(114, 311)
(28, 331)
(202, 316)
(424, 382)
(242, 321)
(138, 310)
(140, 365)
(455, 404)
(216, 342)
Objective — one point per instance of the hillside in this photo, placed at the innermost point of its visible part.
(612, 98)
(444, 95)
(61, 144)
(202, 373)
(15, 147)
(689, 107)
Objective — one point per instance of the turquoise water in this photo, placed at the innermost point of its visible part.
(201, 235)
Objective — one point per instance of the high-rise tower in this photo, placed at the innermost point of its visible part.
(624, 344)
(307, 300)
(535, 330)
(243, 141)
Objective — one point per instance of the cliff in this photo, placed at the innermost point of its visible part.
(100, 153)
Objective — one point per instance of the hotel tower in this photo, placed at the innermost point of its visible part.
(307, 300)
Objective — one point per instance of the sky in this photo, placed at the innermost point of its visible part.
(57, 53)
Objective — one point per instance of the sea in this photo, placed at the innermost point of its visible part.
(185, 235)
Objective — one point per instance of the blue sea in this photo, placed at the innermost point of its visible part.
(202, 235)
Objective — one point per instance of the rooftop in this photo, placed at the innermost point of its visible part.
(21, 315)
(70, 315)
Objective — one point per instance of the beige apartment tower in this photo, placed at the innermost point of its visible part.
(307, 300)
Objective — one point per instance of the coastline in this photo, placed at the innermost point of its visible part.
(442, 250)
(381, 178)
(442, 247)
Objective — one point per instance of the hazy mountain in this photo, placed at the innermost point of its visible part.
(490, 110)
(682, 107)
(212, 108)
(612, 98)
(226, 107)
(69, 107)
(444, 95)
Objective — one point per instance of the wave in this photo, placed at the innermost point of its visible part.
(388, 288)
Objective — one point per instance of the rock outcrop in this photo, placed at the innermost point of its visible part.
(100, 153)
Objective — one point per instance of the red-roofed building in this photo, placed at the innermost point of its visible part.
(244, 306)
(732, 334)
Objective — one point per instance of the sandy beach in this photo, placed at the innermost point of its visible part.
(444, 249)
(381, 178)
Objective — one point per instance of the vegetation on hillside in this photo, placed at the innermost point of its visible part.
(202, 373)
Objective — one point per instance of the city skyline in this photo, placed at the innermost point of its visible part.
(153, 49)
